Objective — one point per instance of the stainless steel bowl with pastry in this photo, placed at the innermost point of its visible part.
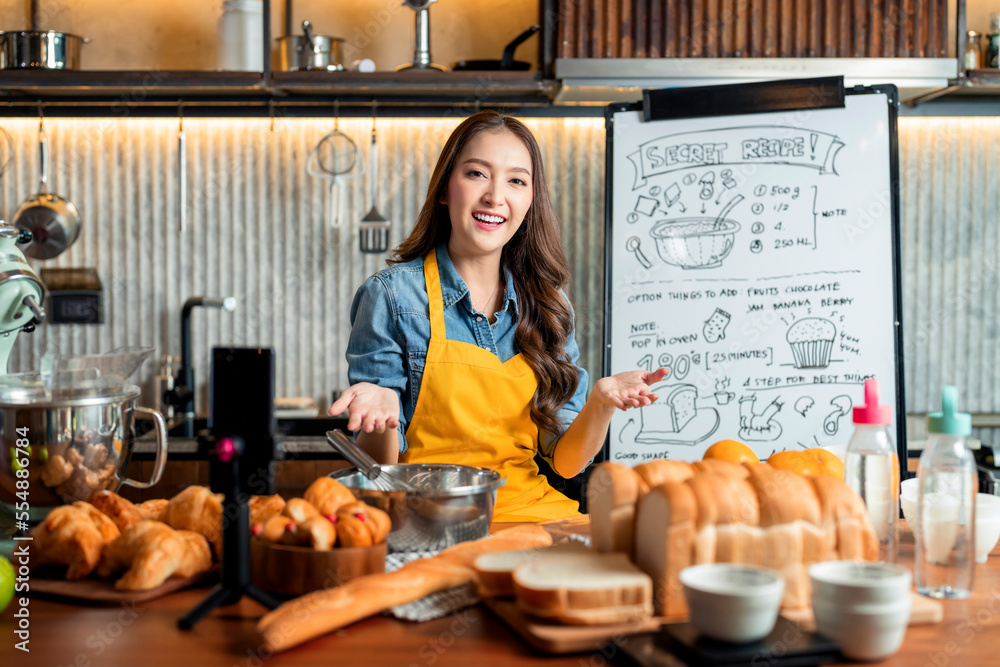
(71, 438)
(448, 504)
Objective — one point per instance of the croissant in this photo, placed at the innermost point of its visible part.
(153, 552)
(298, 510)
(196, 508)
(105, 526)
(118, 509)
(375, 520)
(328, 495)
(263, 508)
(68, 536)
(152, 509)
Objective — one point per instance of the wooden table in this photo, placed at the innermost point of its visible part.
(146, 635)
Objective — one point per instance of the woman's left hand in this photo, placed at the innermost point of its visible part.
(629, 389)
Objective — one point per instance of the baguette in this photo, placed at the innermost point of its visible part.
(665, 523)
(612, 494)
(320, 612)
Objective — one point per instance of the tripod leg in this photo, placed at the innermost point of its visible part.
(261, 597)
(217, 597)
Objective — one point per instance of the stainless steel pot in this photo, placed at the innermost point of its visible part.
(310, 52)
(71, 441)
(451, 503)
(40, 49)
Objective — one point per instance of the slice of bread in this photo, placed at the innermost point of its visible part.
(612, 494)
(494, 572)
(584, 589)
(665, 526)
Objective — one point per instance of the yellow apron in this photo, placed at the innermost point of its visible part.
(474, 410)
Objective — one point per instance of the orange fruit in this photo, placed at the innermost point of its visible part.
(731, 450)
(815, 461)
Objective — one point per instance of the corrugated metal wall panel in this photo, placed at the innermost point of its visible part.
(950, 194)
(258, 230)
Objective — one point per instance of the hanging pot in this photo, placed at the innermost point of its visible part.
(53, 221)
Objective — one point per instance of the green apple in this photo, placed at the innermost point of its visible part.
(6, 582)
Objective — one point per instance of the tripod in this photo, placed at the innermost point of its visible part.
(235, 537)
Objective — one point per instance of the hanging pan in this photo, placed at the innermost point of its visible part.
(53, 221)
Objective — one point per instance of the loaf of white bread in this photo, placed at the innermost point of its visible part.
(667, 515)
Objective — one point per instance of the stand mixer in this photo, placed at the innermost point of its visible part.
(22, 292)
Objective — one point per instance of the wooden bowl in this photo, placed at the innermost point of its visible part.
(288, 570)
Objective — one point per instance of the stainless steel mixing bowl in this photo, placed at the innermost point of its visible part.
(451, 504)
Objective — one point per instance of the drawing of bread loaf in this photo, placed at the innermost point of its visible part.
(811, 340)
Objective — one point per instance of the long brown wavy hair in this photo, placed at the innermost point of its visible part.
(534, 257)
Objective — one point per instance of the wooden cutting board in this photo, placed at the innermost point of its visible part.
(556, 638)
(102, 591)
(551, 637)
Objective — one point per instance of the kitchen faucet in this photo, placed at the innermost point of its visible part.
(181, 396)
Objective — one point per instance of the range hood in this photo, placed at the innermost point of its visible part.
(600, 81)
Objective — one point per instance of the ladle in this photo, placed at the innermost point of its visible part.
(721, 218)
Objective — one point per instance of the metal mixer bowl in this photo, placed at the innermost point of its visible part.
(451, 504)
(67, 443)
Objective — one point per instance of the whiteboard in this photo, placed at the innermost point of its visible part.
(756, 257)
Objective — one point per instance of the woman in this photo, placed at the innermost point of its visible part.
(463, 350)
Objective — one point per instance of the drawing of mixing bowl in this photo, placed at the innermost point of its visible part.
(694, 243)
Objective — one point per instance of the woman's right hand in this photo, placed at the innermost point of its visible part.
(372, 408)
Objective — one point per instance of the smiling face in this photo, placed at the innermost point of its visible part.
(489, 193)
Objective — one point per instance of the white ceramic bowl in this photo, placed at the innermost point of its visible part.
(732, 602)
(987, 524)
(862, 606)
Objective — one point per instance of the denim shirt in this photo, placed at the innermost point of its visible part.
(390, 332)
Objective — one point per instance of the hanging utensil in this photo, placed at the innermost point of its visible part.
(374, 228)
(334, 158)
(53, 221)
(181, 172)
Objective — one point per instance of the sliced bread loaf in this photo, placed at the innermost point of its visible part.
(584, 589)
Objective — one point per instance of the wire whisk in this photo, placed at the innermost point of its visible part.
(370, 468)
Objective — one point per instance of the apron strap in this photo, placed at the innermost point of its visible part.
(435, 300)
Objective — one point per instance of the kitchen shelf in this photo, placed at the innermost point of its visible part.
(604, 80)
(157, 93)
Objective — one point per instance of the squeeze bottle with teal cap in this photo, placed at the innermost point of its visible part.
(945, 529)
(871, 468)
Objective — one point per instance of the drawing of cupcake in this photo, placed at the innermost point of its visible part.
(811, 340)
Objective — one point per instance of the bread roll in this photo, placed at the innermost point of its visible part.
(263, 508)
(584, 589)
(665, 524)
(327, 495)
(299, 509)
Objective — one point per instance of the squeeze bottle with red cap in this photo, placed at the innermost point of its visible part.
(871, 468)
